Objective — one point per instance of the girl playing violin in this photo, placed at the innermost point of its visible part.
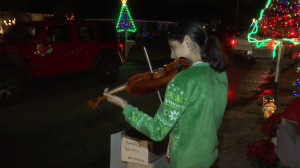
(194, 102)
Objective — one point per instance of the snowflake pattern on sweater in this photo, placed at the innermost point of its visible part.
(166, 119)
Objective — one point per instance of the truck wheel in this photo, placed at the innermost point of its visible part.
(107, 70)
(12, 81)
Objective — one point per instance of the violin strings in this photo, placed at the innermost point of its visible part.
(119, 86)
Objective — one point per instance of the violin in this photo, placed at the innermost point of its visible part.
(144, 83)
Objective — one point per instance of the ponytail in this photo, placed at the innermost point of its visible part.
(211, 53)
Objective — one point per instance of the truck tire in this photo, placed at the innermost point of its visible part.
(12, 82)
(107, 70)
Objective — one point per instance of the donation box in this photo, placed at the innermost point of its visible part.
(132, 149)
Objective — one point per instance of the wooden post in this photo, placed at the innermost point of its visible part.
(277, 72)
(126, 36)
(126, 43)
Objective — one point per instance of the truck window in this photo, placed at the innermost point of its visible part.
(106, 33)
(85, 33)
(24, 32)
(59, 34)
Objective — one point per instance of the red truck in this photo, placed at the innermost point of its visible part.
(49, 48)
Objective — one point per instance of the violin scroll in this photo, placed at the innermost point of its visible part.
(94, 103)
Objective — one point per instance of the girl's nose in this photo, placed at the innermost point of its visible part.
(172, 55)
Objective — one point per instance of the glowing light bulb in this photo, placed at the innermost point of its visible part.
(124, 2)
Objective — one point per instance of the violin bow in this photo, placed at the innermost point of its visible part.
(151, 71)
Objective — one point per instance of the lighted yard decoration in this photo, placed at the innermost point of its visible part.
(43, 49)
(268, 107)
(125, 22)
(278, 22)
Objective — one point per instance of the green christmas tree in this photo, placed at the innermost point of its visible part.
(125, 22)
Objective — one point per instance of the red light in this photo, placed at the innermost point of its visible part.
(233, 42)
(268, 91)
(272, 44)
(121, 46)
(290, 45)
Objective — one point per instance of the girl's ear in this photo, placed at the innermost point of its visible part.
(188, 41)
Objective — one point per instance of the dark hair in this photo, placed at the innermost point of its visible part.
(209, 46)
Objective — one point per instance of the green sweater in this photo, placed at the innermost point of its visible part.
(192, 112)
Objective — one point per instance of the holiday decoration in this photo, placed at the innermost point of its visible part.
(262, 153)
(125, 22)
(297, 83)
(42, 50)
(145, 21)
(69, 18)
(268, 107)
(10, 22)
(278, 22)
(271, 125)
(39, 14)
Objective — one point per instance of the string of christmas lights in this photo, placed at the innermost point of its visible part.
(39, 14)
(143, 34)
(281, 19)
(297, 83)
(146, 21)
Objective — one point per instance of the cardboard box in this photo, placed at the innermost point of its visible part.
(154, 160)
(160, 163)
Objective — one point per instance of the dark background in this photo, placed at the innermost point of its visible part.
(209, 11)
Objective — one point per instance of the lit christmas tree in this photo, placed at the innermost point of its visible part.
(278, 23)
(125, 22)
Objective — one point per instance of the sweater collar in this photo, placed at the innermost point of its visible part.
(200, 63)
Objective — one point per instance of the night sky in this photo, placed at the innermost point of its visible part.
(172, 10)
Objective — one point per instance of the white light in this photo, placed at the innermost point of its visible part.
(124, 2)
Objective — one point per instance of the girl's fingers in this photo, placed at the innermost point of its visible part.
(105, 94)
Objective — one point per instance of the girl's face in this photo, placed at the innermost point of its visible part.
(179, 50)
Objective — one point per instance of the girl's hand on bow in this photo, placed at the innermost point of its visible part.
(115, 99)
